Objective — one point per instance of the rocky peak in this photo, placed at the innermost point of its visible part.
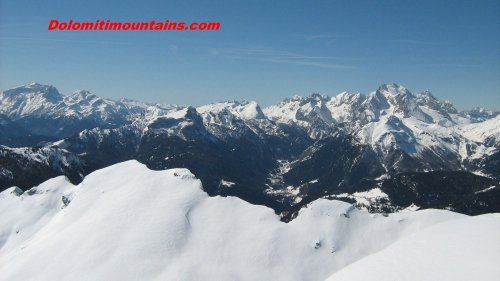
(426, 98)
(393, 89)
(34, 90)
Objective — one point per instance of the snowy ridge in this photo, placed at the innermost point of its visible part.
(169, 229)
(38, 100)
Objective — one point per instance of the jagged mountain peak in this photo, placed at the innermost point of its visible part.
(355, 109)
(394, 99)
(83, 94)
(348, 97)
(480, 110)
(479, 114)
(246, 110)
(319, 97)
(37, 87)
(428, 93)
(310, 102)
(426, 98)
(313, 97)
(393, 89)
(34, 90)
(192, 113)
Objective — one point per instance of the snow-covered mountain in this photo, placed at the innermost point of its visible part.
(282, 156)
(36, 100)
(42, 110)
(390, 120)
(408, 132)
(126, 222)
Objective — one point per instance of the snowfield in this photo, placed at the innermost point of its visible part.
(126, 222)
(463, 249)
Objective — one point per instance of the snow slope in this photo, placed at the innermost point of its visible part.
(485, 132)
(26, 214)
(126, 222)
(463, 249)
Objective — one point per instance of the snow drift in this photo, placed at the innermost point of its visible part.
(463, 249)
(127, 222)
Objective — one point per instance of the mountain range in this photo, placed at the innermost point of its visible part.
(385, 151)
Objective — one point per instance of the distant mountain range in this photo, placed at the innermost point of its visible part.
(385, 151)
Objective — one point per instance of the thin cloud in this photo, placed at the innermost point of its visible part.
(14, 25)
(312, 63)
(281, 57)
(268, 52)
(322, 37)
(59, 40)
(319, 36)
(448, 65)
(411, 41)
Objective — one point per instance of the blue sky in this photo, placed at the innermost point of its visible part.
(265, 50)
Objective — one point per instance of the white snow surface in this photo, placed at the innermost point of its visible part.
(244, 110)
(479, 132)
(126, 222)
(365, 198)
(462, 249)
